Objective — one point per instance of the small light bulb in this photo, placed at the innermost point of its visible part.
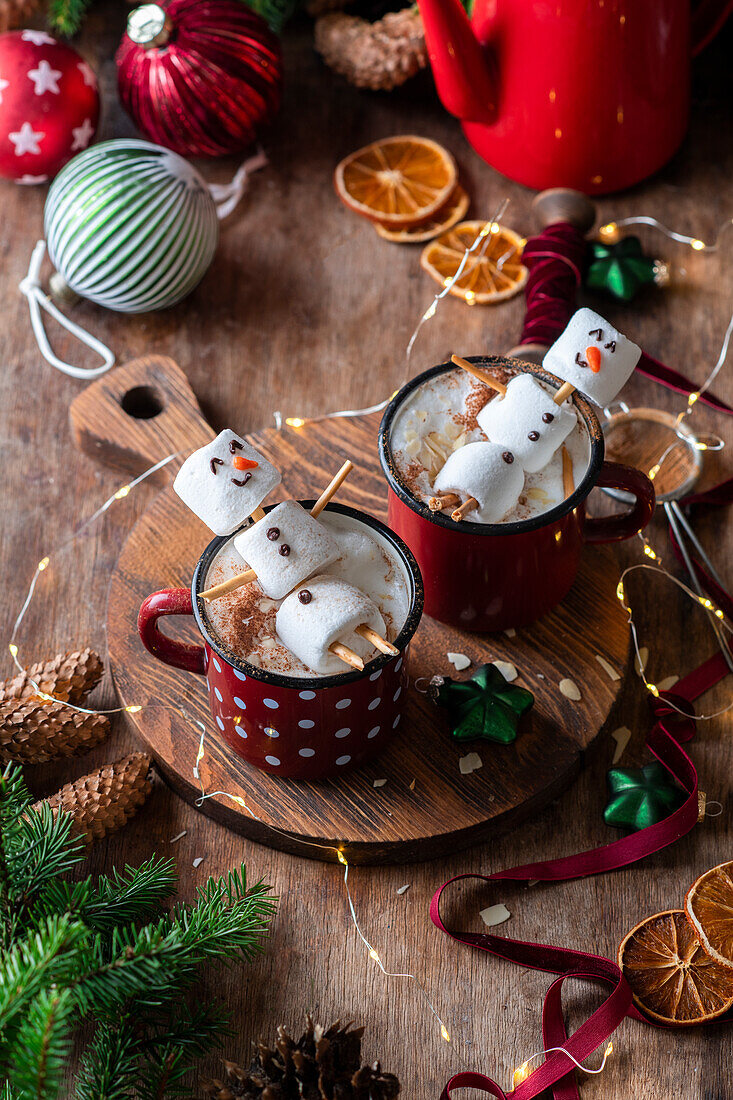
(654, 471)
(42, 564)
(608, 232)
(445, 1033)
(374, 955)
(122, 492)
(134, 708)
(429, 312)
(495, 227)
(649, 552)
(609, 1049)
(294, 421)
(719, 613)
(13, 649)
(653, 689)
(470, 298)
(692, 399)
(521, 1074)
(620, 591)
(342, 858)
(698, 245)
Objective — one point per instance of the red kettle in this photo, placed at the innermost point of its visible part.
(589, 94)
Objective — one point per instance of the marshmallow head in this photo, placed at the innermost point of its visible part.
(224, 482)
(324, 611)
(285, 548)
(528, 422)
(594, 356)
(488, 472)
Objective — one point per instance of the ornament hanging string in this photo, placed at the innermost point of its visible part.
(226, 197)
(673, 727)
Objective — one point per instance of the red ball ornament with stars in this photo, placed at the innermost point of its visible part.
(49, 105)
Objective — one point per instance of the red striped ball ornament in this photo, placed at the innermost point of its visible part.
(199, 76)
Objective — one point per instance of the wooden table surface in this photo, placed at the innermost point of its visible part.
(305, 309)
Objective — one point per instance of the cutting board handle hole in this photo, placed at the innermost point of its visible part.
(142, 402)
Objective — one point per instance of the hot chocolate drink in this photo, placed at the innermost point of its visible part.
(439, 446)
(245, 620)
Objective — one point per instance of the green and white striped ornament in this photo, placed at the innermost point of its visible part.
(130, 225)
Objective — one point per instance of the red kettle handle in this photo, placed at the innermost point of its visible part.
(708, 18)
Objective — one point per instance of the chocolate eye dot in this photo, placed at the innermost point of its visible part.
(508, 457)
(548, 418)
(285, 549)
(305, 596)
(273, 534)
(534, 436)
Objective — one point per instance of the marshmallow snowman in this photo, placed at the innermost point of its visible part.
(225, 482)
(285, 548)
(594, 356)
(489, 473)
(527, 421)
(324, 611)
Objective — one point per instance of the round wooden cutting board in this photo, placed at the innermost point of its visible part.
(427, 807)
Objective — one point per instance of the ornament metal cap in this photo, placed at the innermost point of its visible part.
(149, 26)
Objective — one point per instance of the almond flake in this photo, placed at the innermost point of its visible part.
(412, 785)
(177, 837)
(570, 689)
(198, 860)
(507, 669)
(640, 660)
(621, 736)
(459, 661)
(470, 763)
(404, 889)
(412, 447)
(495, 914)
(510, 632)
(667, 683)
(607, 668)
(379, 782)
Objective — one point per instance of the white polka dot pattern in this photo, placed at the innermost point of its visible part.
(374, 704)
(343, 704)
(239, 675)
(306, 752)
(240, 703)
(375, 675)
(271, 703)
(219, 723)
(373, 733)
(340, 760)
(272, 760)
(307, 694)
(217, 693)
(306, 724)
(217, 666)
(343, 732)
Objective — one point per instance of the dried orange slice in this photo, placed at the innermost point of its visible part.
(399, 181)
(671, 977)
(493, 272)
(444, 219)
(709, 907)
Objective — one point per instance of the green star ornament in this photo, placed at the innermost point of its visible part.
(641, 796)
(620, 269)
(485, 707)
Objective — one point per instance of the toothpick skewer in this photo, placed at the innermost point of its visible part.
(462, 510)
(250, 575)
(377, 640)
(443, 500)
(563, 393)
(483, 376)
(568, 480)
(346, 655)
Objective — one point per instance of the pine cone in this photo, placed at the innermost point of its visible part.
(67, 676)
(34, 732)
(379, 55)
(322, 1065)
(13, 13)
(105, 800)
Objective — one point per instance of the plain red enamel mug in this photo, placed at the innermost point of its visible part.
(492, 576)
(291, 726)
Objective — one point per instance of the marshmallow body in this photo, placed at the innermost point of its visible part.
(600, 373)
(214, 489)
(489, 473)
(323, 611)
(527, 421)
(285, 548)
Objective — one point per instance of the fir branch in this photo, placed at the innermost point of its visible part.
(42, 1045)
(110, 1065)
(133, 896)
(66, 16)
(51, 954)
(228, 919)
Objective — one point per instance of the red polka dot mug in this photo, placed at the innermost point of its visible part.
(292, 726)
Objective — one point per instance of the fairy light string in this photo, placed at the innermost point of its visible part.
(521, 1073)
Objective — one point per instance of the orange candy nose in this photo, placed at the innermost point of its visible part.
(593, 358)
(240, 463)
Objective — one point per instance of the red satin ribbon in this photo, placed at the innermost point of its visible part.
(665, 741)
(556, 260)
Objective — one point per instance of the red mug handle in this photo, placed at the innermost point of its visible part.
(171, 601)
(708, 17)
(614, 528)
